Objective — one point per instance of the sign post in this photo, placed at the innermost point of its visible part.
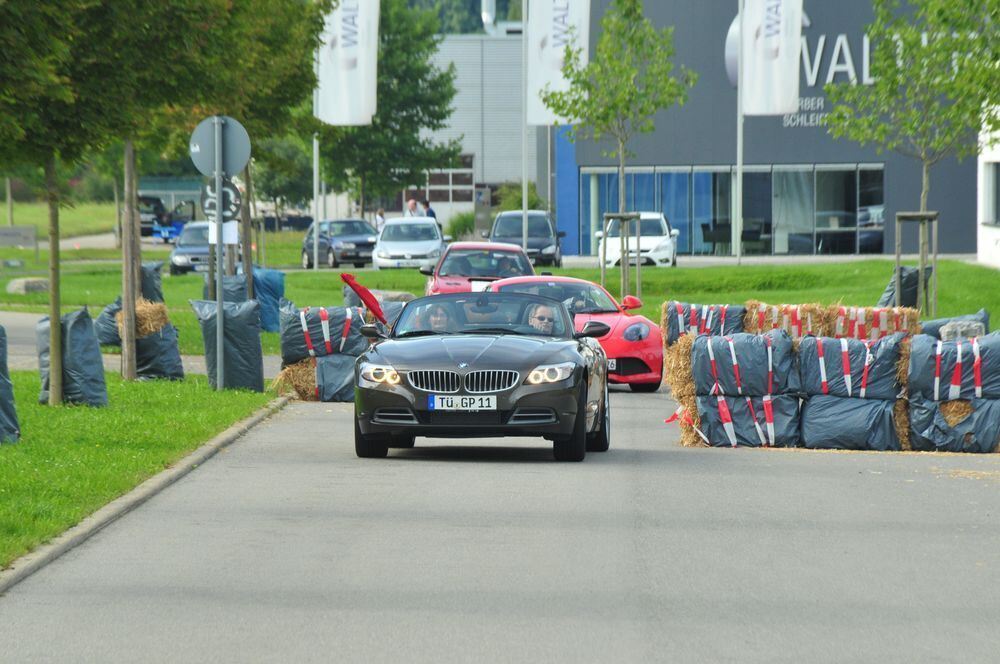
(220, 148)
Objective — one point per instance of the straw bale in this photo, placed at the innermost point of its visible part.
(680, 380)
(150, 317)
(300, 377)
(903, 365)
(955, 412)
(901, 420)
(750, 322)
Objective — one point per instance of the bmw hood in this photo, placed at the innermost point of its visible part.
(520, 353)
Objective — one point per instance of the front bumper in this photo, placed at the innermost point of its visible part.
(406, 263)
(360, 255)
(640, 368)
(648, 258)
(525, 410)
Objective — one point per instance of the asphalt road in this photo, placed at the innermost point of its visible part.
(288, 548)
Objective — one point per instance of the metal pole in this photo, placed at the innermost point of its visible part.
(524, 125)
(548, 161)
(316, 202)
(737, 225)
(638, 257)
(899, 261)
(220, 379)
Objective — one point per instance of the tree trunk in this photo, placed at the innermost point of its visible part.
(925, 187)
(129, 294)
(133, 203)
(55, 322)
(362, 196)
(10, 205)
(118, 214)
(245, 235)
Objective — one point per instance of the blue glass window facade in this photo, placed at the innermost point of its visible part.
(786, 209)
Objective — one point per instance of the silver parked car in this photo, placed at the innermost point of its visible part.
(409, 242)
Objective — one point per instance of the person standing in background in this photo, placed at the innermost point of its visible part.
(411, 208)
(428, 210)
(379, 220)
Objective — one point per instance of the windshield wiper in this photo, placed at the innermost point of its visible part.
(419, 333)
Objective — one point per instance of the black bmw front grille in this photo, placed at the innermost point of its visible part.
(435, 381)
(478, 382)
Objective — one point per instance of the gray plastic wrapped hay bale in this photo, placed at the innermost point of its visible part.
(751, 355)
(10, 429)
(881, 375)
(703, 318)
(335, 377)
(930, 432)
(933, 327)
(785, 409)
(340, 335)
(243, 358)
(923, 367)
(234, 288)
(151, 281)
(83, 366)
(842, 423)
(106, 325)
(157, 355)
(908, 280)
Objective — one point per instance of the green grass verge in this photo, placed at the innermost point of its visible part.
(80, 219)
(73, 460)
(964, 288)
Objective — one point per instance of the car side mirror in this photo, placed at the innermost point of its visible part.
(631, 302)
(426, 269)
(599, 234)
(675, 233)
(371, 332)
(561, 234)
(484, 234)
(447, 238)
(592, 328)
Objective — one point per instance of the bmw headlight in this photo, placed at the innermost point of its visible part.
(377, 374)
(180, 259)
(550, 373)
(382, 253)
(551, 249)
(636, 332)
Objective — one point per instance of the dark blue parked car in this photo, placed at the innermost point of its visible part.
(341, 241)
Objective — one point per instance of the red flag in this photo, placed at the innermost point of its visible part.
(366, 296)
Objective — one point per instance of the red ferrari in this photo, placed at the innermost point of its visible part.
(472, 266)
(634, 345)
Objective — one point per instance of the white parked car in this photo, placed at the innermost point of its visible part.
(657, 240)
(409, 242)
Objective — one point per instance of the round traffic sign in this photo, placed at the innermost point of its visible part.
(231, 200)
(235, 146)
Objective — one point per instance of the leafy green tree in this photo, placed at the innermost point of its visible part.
(936, 80)
(509, 197)
(413, 96)
(630, 78)
(455, 16)
(284, 171)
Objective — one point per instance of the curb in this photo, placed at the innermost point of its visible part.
(30, 563)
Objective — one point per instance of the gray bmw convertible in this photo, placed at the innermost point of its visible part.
(468, 365)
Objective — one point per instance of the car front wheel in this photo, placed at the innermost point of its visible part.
(368, 447)
(600, 440)
(574, 446)
(331, 259)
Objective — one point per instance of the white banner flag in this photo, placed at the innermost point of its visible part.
(348, 64)
(552, 24)
(771, 53)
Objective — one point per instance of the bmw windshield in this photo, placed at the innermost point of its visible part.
(484, 313)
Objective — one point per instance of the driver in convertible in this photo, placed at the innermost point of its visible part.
(542, 318)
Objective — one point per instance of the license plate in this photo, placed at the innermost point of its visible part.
(478, 286)
(200, 267)
(407, 263)
(612, 364)
(365, 254)
(456, 402)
